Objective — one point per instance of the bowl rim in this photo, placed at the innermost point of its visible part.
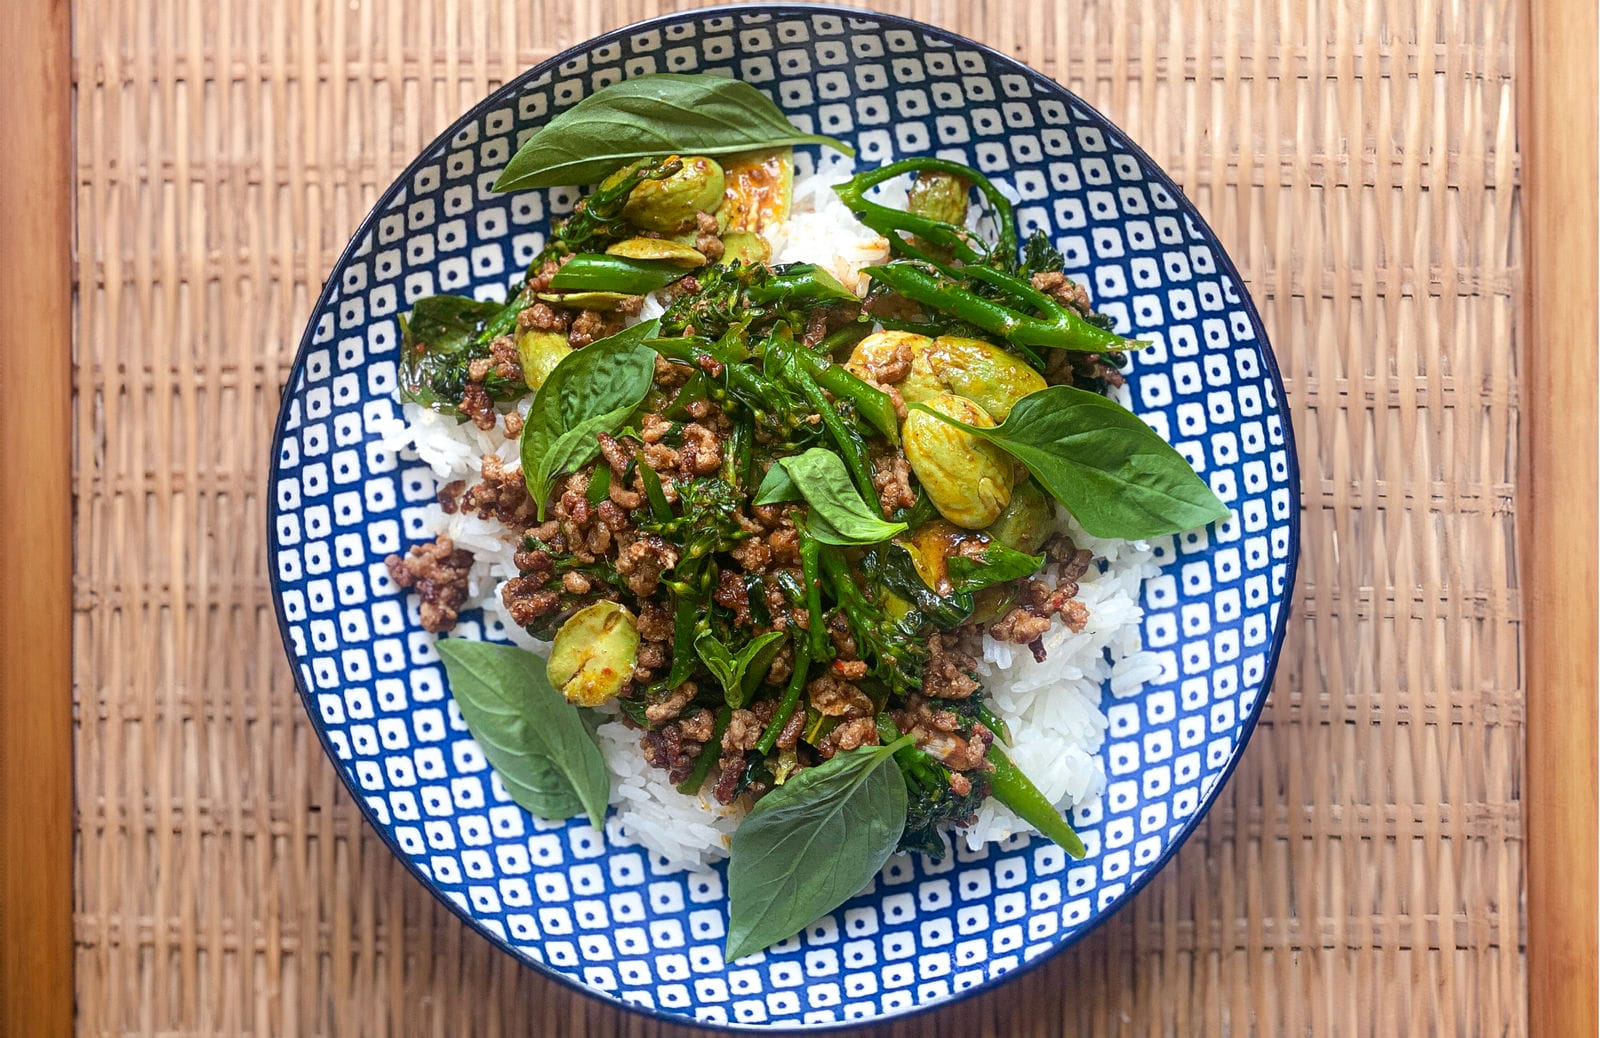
(506, 92)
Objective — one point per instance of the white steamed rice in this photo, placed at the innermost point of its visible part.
(1052, 708)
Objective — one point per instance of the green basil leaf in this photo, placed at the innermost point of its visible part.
(661, 114)
(756, 659)
(719, 661)
(592, 390)
(592, 272)
(534, 739)
(1114, 474)
(776, 487)
(441, 337)
(738, 673)
(811, 844)
(839, 515)
(996, 564)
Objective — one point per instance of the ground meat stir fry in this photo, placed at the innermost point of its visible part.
(750, 642)
(437, 572)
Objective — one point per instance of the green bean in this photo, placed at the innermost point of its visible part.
(1061, 328)
(1012, 788)
(995, 723)
(811, 573)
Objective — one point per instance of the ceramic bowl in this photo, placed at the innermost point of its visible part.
(606, 918)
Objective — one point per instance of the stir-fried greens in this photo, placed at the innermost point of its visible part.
(771, 525)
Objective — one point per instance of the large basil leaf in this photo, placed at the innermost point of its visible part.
(437, 342)
(811, 844)
(1114, 474)
(592, 390)
(534, 739)
(838, 514)
(738, 673)
(661, 114)
(996, 564)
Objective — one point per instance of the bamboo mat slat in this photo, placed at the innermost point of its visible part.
(1361, 873)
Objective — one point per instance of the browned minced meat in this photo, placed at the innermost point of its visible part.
(1020, 625)
(669, 748)
(642, 559)
(655, 623)
(706, 241)
(744, 731)
(438, 574)
(654, 427)
(591, 325)
(449, 496)
(752, 555)
(827, 319)
(701, 453)
(1026, 623)
(1073, 560)
(833, 696)
(848, 735)
(543, 317)
(655, 637)
(1064, 367)
(503, 495)
(526, 599)
(477, 406)
(782, 667)
(513, 422)
(1063, 290)
(936, 731)
(504, 358)
(891, 476)
(844, 643)
(948, 674)
(540, 281)
(670, 707)
(669, 375)
(685, 286)
(850, 670)
(698, 726)
(587, 531)
(731, 594)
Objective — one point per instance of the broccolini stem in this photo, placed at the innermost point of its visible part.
(790, 700)
(852, 448)
(708, 754)
(1015, 790)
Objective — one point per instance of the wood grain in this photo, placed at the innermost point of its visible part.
(1558, 530)
(36, 816)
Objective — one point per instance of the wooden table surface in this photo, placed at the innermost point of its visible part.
(1410, 192)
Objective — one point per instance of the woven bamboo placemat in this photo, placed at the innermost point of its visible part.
(1361, 873)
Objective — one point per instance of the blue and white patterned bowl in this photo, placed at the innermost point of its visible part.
(605, 918)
